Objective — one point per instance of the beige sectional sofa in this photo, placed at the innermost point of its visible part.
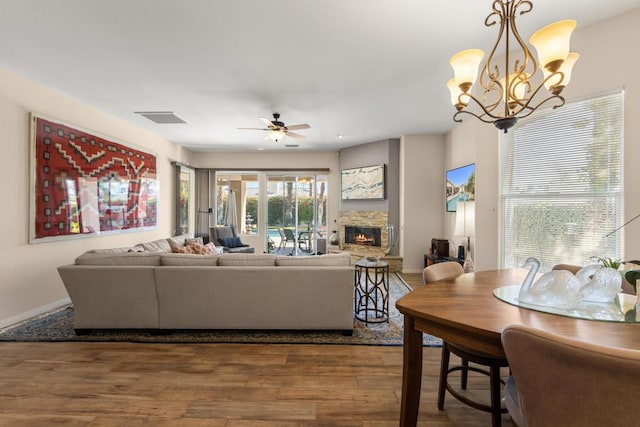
(137, 288)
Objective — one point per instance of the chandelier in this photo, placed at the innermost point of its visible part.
(506, 96)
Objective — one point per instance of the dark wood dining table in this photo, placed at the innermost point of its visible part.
(464, 311)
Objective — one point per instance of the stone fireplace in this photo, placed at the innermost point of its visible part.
(365, 233)
(354, 223)
(363, 236)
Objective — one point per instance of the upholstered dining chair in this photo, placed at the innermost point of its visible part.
(569, 267)
(450, 270)
(557, 381)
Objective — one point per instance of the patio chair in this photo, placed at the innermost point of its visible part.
(283, 238)
(289, 237)
(227, 237)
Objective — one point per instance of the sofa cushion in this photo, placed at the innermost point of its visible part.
(244, 249)
(318, 260)
(247, 259)
(190, 260)
(124, 250)
(181, 240)
(129, 258)
(157, 246)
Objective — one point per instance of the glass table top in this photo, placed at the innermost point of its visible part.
(364, 262)
(622, 309)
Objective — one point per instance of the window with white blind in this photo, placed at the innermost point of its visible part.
(561, 184)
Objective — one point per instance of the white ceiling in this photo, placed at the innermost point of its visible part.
(365, 69)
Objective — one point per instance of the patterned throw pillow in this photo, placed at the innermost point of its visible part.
(180, 250)
(198, 249)
(193, 247)
(176, 248)
(198, 240)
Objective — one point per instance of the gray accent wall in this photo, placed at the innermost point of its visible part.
(385, 152)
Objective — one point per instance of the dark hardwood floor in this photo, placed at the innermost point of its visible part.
(129, 384)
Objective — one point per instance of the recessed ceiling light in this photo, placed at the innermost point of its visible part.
(260, 148)
(339, 136)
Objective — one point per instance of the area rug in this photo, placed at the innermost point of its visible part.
(58, 326)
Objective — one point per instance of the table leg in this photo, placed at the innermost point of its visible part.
(411, 374)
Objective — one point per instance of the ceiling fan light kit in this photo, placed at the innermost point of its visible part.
(276, 129)
(507, 96)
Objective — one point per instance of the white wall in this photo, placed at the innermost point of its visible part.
(422, 199)
(607, 61)
(29, 282)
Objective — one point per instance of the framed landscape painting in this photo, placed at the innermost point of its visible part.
(364, 183)
(84, 184)
(460, 186)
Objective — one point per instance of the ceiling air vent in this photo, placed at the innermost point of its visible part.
(161, 117)
(292, 145)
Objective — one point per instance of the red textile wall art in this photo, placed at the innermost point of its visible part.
(87, 185)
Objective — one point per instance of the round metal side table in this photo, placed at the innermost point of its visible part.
(371, 284)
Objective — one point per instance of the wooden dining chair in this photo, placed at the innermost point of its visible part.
(451, 270)
(557, 381)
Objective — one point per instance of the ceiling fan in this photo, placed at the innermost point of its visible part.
(277, 129)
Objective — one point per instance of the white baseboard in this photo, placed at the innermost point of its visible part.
(4, 323)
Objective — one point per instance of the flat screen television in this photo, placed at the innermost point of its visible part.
(460, 186)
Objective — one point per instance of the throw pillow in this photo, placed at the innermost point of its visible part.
(180, 250)
(176, 248)
(197, 240)
(196, 248)
(237, 242)
(229, 242)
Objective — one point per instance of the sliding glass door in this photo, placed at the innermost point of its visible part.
(296, 214)
(293, 206)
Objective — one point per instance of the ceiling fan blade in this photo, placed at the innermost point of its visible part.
(294, 135)
(298, 127)
(267, 122)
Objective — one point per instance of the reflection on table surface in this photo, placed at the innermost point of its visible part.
(622, 309)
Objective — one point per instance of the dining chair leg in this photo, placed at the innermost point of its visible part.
(464, 374)
(444, 370)
(496, 408)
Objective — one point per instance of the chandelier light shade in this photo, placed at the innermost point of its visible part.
(515, 88)
(560, 80)
(465, 67)
(552, 43)
(458, 102)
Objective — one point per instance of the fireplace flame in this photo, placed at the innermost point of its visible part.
(363, 239)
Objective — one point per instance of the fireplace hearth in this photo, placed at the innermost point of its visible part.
(363, 236)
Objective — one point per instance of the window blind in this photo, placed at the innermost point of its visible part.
(561, 184)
